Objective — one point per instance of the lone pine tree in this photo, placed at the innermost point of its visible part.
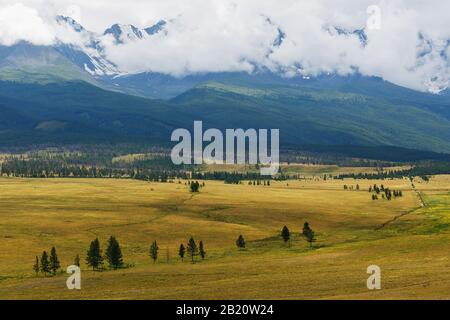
(154, 251)
(240, 242)
(202, 250)
(285, 234)
(54, 261)
(192, 249)
(181, 252)
(94, 255)
(45, 264)
(114, 253)
(308, 233)
(36, 265)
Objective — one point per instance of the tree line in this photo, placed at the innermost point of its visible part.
(33, 168)
(48, 168)
(422, 170)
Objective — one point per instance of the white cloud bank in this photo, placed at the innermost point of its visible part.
(19, 22)
(410, 49)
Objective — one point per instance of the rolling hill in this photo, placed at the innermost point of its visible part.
(79, 112)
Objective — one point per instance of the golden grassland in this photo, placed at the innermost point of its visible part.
(412, 249)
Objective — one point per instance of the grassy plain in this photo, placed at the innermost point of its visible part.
(412, 248)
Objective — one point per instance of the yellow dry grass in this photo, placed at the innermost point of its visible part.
(412, 250)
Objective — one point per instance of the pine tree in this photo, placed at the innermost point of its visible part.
(192, 249)
(94, 255)
(114, 253)
(240, 242)
(202, 250)
(45, 264)
(285, 234)
(308, 233)
(76, 261)
(181, 252)
(154, 251)
(54, 261)
(36, 265)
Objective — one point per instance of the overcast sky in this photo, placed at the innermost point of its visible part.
(227, 35)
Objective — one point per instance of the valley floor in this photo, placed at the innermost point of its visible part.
(410, 243)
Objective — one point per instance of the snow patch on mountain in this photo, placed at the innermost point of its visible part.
(88, 50)
(433, 59)
(85, 48)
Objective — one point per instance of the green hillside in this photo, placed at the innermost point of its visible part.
(82, 113)
(311, 116)
(27, 63)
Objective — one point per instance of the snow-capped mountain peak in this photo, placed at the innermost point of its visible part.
(156, 28)
(124, 33)
(68, 21)
(86, 51)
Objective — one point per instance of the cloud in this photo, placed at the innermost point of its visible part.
(19, 22)
(223, 38)
(411, 48)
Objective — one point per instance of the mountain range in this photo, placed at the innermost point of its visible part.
(72, 94)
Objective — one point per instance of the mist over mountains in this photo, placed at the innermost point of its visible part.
(298, 39)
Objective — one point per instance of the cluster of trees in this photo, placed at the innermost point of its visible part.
(259, 183)
(94, 257)
(232, 180)
(307, 233)
(47, 264)
(351, 187)
(194, 186)
(191, 248)
(386, 193)
(113, 254)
